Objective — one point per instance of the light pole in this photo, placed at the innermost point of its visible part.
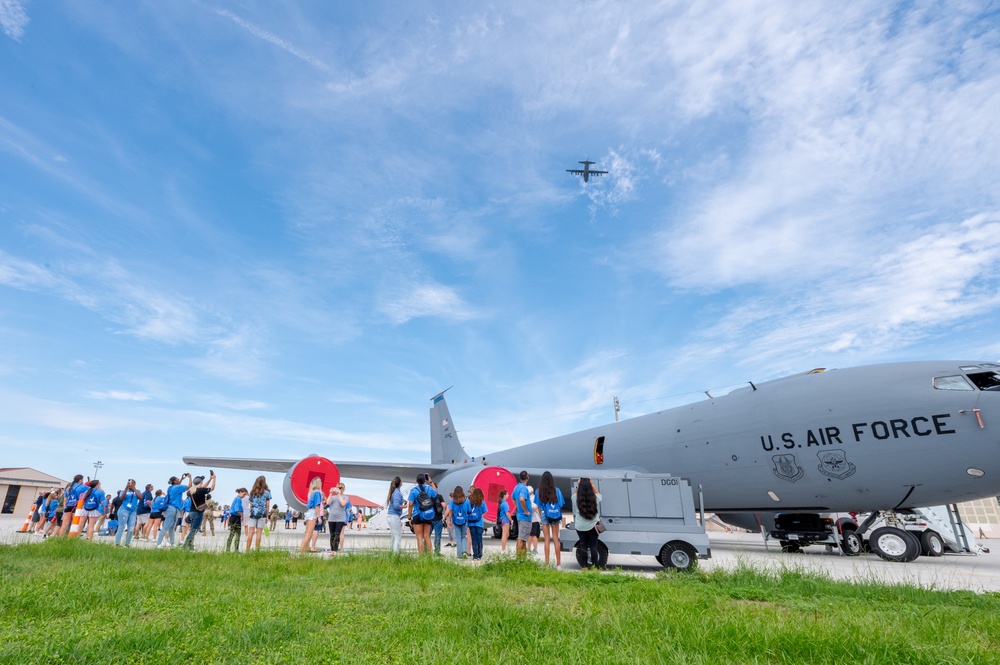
(97, 467)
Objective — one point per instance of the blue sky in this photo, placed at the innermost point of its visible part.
(249, 229)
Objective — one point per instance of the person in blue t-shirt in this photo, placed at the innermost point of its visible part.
(522, 509)
(236, 518)
(503, 519)
(457, 512)
(92, 498)
(421, 512)
(394, 513)
(72, 493)
(127, 513)
(477, 509)
(314, 512)
(51, 516)
(142, 513)
(175, 502)
(550, 502)
(156, 508)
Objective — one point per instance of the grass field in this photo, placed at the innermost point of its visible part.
(65, 601)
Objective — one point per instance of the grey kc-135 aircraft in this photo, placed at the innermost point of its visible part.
(864, 439)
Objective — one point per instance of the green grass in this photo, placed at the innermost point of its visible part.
(64, 601)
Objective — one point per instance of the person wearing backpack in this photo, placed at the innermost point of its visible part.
(437, 526)
(199, 504)
(477, 508)
(421, 512)
(550, 502)
(457, 513)
(156, 508)
(90, 500)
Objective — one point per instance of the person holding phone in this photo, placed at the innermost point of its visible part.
(337, 518)
(175, 502)
(199, 504)
(127, 513)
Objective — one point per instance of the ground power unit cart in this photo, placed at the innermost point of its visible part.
(647, 515)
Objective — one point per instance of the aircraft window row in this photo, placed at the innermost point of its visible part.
(952, 383)
(986, 380)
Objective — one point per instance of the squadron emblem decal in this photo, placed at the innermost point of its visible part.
(786, 468)
(833, 463)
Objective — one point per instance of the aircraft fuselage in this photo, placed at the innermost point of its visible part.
(858, 439)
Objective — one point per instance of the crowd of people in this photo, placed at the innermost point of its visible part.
(186, 506)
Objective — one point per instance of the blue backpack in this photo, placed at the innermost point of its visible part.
(91, 502)
(458, 516)
(552, 509)
(476, 512)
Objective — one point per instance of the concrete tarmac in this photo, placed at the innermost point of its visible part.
(729, 550)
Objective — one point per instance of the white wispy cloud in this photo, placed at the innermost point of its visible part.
(428, 300)
(283, 44)
(13, 18)
(121, 395)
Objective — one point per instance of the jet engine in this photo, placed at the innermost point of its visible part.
(490, 479)
(300, 476)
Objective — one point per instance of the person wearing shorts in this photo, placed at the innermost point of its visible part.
(260, 504)
(313, 512)
(91, 506)
(142, 513)
(522, 509)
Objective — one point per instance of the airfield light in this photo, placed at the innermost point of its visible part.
(97, 467)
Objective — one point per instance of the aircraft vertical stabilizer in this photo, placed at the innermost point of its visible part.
(445, 446)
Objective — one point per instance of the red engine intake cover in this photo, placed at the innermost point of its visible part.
(491, 480)
(304, 471)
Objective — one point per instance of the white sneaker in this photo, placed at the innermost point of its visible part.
(558, 567)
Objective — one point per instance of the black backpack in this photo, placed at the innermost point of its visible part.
(425, 503)
(438, 506)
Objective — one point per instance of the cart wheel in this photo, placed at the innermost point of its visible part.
(583, 559)
(678, 554)
(850, 542)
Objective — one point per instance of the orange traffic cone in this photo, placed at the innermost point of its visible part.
(27, 521)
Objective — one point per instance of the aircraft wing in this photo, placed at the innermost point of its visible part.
(359, 470)
(598, 173)
(577, 171)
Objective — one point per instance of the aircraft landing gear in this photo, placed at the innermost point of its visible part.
(894, 544)
(931, 543)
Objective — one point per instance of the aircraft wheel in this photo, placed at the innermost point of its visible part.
(850, 542)
(678, 554)
(789, 547)
(931, 543)
(894, 544)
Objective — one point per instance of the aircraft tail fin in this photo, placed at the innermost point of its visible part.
(445, 447)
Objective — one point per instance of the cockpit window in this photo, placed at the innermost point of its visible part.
(986, 380)
(952, 383)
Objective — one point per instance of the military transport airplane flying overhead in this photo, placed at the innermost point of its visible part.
(586, 171)
(870, 438)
